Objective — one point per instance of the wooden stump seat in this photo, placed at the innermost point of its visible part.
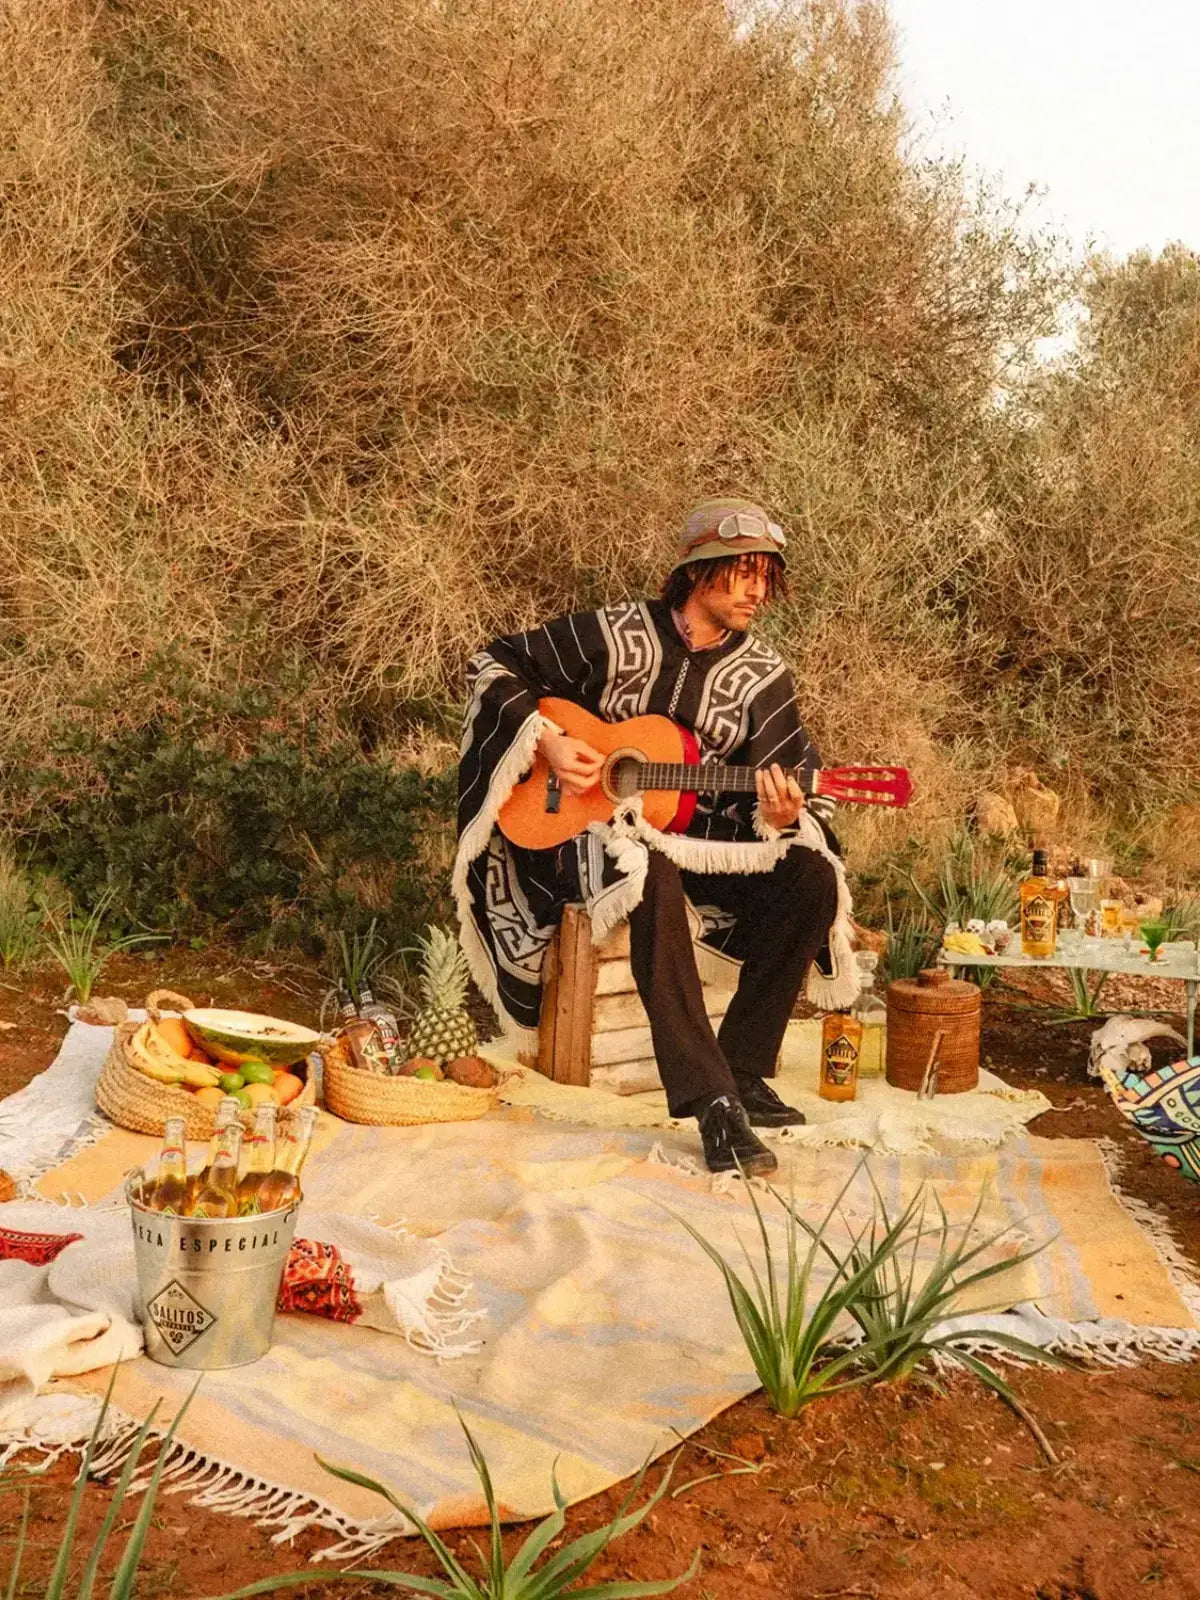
(594, 1028)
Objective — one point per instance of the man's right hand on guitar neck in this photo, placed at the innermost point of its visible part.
(573, 762)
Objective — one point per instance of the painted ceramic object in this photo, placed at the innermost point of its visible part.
(1164, 1106)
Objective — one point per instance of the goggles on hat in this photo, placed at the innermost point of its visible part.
(745, 525)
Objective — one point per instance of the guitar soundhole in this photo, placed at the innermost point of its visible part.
(621, 776)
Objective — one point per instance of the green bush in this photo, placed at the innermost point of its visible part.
(243, 810)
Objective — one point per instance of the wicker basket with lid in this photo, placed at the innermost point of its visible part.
(917, 1012)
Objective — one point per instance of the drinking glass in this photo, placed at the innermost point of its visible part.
(1154, 933)
(1085, 898)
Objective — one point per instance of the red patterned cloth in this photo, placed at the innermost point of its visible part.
(38, 1249)
(318, 1280)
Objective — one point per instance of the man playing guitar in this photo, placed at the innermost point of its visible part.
(759, 871)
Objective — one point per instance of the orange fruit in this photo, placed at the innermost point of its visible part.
(196, 1054)
(210, 1097)
(286, 1087)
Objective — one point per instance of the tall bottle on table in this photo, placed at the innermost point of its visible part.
(1040, 902)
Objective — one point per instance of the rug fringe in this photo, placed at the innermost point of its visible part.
(1180, 1270)
(213, 1484)
(89, 1132)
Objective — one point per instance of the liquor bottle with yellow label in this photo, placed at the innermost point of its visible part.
(1040, 900)
(841, 1044)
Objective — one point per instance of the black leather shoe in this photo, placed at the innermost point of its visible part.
(764, 1108)
(729, 1140)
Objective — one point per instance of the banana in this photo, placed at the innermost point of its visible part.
(151, 1064)
(196, 1074)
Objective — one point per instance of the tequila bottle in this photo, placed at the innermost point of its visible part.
(841, 1044)
(217, 1195)
(281, 1186)
(259, 1159)
(169, 1190)
(1039, 910)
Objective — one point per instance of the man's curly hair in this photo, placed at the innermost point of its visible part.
(719, 572)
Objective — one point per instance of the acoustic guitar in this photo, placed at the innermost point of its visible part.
(658, 759)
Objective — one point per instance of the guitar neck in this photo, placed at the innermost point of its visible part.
(710, 777)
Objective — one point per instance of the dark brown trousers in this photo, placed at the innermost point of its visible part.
(782, 919)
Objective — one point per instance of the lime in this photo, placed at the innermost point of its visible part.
(231, 1081)
(256, 1072)
(430, 1074)
(243, 1099)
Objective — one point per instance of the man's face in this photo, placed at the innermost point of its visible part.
(731, 599)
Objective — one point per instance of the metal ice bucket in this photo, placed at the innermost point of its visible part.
(207, 1286)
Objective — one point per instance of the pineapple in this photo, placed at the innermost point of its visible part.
(443, 1029)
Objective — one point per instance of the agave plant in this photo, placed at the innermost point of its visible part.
(75, 943)
(499, 1578)
(903, 1298)
(122, 1586)
(794, 1348)
(968, 886)
(911, 944)
(18, 919)
(360, 953)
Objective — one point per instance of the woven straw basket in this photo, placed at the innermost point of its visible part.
(358, 1096)
(132, 1100)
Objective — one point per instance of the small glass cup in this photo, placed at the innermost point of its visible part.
(1155, 934)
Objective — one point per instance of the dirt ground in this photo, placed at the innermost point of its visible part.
(883, 1493)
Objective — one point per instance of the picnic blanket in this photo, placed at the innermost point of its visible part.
(607, 1332)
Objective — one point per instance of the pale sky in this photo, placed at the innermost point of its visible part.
(1096, 103)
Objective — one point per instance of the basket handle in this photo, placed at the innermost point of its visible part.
(167, 997)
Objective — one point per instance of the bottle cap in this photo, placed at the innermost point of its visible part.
(1041, 861)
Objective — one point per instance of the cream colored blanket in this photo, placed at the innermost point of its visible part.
(607, 1331)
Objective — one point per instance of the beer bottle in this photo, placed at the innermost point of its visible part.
(258, 1158)
(227, 1111)
(281, 1186)
(841, 1042)
(365, 1047)
(385, 1020)
(217, 1195)
(169, 1191)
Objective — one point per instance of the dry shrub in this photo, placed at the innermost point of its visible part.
(1090, 591)
(356, 333)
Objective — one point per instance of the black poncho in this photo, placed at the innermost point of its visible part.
(625, 661)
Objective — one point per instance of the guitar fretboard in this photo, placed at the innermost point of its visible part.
(707, 778)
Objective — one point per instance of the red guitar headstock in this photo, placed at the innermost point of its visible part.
(866, 786)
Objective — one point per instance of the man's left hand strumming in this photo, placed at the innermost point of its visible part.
(780, 797)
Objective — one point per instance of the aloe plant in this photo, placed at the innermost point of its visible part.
(59, 1586)
(499, 1579)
